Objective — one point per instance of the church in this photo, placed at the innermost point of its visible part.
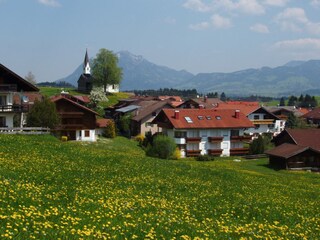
(85, 82)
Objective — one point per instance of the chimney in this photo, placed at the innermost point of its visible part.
(176, 114)
(237, 114)
(201, 106)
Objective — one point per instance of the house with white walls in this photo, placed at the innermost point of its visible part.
(13, 96)
(206, 131)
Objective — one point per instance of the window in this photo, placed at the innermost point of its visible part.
(218, 117)
(270, 125)
(3, 122)
(200, 117)
(3, 100)
(257, 126)
(234, 132)
(180, 134)
(256, 117)
(188, 119)
(208, 117)
(148, 124)
(87, 133)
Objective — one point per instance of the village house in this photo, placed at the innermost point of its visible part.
(296, 149)
(77, 121)
(313, 117)
(263, 120)
(142, 111)
(14, 97)
(205, 131)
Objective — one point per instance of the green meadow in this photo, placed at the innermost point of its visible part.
(111, 190)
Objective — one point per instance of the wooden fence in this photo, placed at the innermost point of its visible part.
(25, 130)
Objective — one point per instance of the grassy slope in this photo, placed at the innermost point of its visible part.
(113, 98)
(110, 189)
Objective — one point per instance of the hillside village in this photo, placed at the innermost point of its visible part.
(199, 126)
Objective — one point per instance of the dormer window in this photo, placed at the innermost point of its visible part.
(208, 117)
(188, 119)
(218, 117)
(200, 117)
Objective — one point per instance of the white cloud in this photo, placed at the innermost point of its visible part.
(220, 22)
(260, 28)
(295, 19)
(200, 26)
(277, 3)
(50, 3)
(315, 3)
(252, 7)
(299, 44)
(196, 5)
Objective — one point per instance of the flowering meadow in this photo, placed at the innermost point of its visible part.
(110, 190)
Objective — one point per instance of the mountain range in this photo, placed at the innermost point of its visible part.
(293, 78)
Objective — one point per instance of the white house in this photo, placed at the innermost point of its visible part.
(13, 87)
(205, 131)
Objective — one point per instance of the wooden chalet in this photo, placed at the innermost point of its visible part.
(77, 121)
(13, 96)
(313, 116)
(296, 149)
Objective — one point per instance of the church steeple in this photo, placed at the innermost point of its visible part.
(86, 64)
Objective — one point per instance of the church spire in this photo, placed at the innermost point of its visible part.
(86, 64)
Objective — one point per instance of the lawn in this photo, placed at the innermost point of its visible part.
(110, 190)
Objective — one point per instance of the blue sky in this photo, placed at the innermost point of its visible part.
(49, 37)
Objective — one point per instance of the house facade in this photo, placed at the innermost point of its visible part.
(13, 98)
(205, 131)
(77, 122)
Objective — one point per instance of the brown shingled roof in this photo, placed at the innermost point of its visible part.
(314, 114)
(305, 137)
(287, 150)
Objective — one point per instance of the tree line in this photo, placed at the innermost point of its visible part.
(306, 101)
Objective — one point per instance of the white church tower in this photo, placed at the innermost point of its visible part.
(86, 64)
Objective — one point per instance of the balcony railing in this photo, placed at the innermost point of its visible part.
(215, 152)
(240, 138)
(263, 121)
(193, 139)
(239, 151)
(215, 139)
(14, 108)
(8, 87)
(193, 153)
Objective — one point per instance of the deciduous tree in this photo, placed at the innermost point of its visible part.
(105, 69)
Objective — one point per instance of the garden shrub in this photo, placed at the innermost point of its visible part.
(110, 130)
(176, 154)
(205, 158)
(162, 147)
(139, 138)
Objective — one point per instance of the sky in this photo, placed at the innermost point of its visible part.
(50, 37)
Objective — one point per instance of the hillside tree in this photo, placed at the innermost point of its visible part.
(30, 78)
(105, 69)
(282, 102)
(43, 114)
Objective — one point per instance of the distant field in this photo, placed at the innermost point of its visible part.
(109, 189)
(113, 98)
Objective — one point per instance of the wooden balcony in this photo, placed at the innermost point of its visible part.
(215, 152)
(215, 139)
(14, 108)
(8, 87)
(263, 121)
(239, 151)
(193, 139)
(240, 138)
(193, 153)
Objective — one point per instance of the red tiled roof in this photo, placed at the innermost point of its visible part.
(305, 137)
(287, 150)
(172, 98)
(244, 107)
(207, 118)
(103, 122)
(315, 114)
(32, 96)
